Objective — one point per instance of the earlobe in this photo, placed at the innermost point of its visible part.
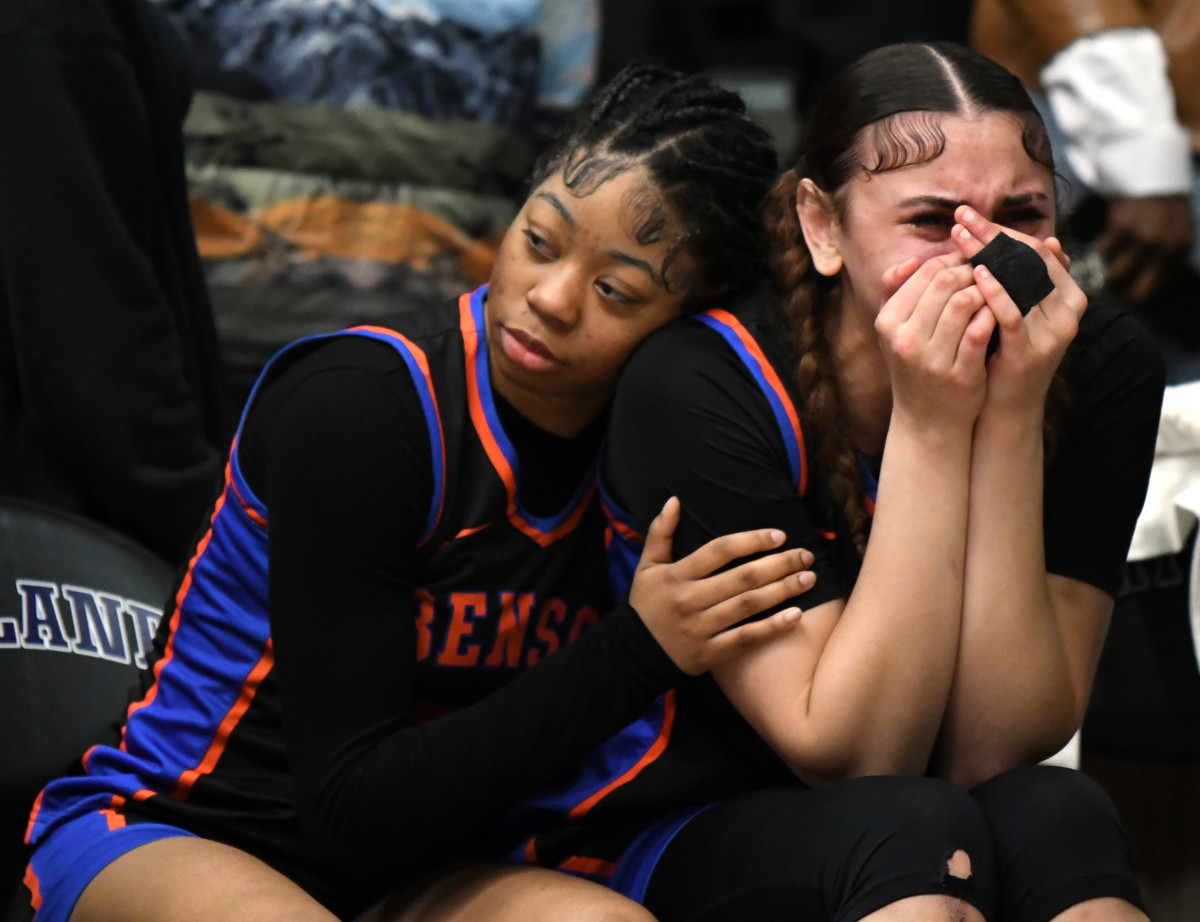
(818, 224)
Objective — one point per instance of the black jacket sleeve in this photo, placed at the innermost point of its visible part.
(110, 397)
(342, 459)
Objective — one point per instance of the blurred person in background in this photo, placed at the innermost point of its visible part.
(110, 378)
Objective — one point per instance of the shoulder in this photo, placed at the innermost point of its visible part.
(1112, 342)
(708, 349)
(1114, 371)
(366, 352)
(360, 374)
(706, 386)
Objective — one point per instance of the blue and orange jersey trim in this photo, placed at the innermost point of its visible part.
(418, 366)
(544, 530)
(870, 486)
(623, 545)
(748, 350)
(610, 767)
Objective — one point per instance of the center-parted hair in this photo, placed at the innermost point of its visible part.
(881, 113)
(710, 163)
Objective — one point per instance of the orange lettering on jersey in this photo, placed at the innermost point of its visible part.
(584, 619)
(555, 609)
(424, 620)
(510, 634)
(460, 629)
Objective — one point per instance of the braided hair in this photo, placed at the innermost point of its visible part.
(879, 114)
(709, 162)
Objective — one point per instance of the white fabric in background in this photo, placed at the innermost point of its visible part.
(1111, 97)
(1172, 506)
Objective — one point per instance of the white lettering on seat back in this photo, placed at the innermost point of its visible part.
(78, 619)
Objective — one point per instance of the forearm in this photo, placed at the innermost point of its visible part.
(435, 791)
(868, 697)
(1013, 700)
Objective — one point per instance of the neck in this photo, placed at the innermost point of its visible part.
(862, 375)
(557, 415)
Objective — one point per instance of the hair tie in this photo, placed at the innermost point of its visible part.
(1018, 267)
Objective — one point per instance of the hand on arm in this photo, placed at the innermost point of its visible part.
(694, 611)
(348, 488)
(847, 692)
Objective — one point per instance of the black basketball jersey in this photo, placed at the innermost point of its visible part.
(497, 589)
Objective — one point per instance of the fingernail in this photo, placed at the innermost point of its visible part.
(968, 216)
(790, 615)
(983, 272)
(807, 578)
(964, 234)
(777, 536)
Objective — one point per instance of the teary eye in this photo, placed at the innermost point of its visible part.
(932, 219)
(1025, 215)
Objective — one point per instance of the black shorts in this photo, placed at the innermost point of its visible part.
(1038, 839)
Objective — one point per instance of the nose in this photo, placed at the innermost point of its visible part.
(556, 296)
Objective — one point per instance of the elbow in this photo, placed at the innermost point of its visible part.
(825, 765)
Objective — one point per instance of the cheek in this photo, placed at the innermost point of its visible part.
(509, 261)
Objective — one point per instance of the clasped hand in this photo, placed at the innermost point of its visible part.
(936, 326)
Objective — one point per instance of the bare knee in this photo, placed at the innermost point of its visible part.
(193, 880)
(934, 907)
(959, 865)
(509, 893)
(627, 911)
(929, 908)
(1102, 909)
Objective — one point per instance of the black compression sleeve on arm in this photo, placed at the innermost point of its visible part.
(378, 799)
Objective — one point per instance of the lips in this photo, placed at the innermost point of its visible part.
(527, 351)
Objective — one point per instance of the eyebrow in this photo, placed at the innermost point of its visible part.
(1024, 198)
(637, 264)
(553, 200)
(558, 206)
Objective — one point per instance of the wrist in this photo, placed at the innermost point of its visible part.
(1007, 427)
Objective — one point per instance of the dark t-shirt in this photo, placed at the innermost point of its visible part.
(705, 411)
(689, 420)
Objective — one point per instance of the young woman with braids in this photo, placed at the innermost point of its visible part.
(360, 670)
(965, 571)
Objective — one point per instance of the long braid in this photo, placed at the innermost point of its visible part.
(804, 305)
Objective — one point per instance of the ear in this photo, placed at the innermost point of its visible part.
(818, 222)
